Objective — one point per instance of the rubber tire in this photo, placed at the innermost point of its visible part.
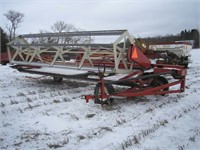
(3, 63)
(186, 65)
(110, 90)
(58, 79)
(160, 81)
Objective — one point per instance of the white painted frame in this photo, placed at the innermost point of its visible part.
(28, 53)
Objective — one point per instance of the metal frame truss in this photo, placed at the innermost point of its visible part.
(22, 51)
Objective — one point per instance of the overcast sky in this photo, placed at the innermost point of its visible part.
(140, 17)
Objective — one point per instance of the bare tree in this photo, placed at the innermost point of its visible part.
(61, 26)
(15, 18)
(43, 39)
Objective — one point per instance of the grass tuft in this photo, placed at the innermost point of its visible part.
(56, 101)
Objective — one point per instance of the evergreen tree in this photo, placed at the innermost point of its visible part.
(4, 40)
(184, 35)
(195, 36)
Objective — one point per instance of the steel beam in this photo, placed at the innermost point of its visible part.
(79, 33)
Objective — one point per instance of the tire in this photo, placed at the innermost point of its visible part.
(186, 65)
(3, 63)
(184, 61)
(58, 79)
(108, 90)
(160, 81)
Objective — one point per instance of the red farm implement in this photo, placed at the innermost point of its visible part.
(175, 53)
(139, 82)
(4, 58)
(112, 64)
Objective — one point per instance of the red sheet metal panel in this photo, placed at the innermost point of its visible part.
(136, 55)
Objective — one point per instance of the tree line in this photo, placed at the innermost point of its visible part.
(185, 35)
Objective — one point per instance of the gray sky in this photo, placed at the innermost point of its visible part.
(140, 17)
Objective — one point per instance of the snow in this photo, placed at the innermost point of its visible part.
(60, 71)
(37, 113)
(49, 123)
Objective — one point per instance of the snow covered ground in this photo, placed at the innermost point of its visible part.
(36, 113)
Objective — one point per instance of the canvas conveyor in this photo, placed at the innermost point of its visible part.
(79, 55)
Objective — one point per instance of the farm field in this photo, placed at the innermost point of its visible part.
(37, 113)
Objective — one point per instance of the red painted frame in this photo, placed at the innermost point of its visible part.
(131, 92)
